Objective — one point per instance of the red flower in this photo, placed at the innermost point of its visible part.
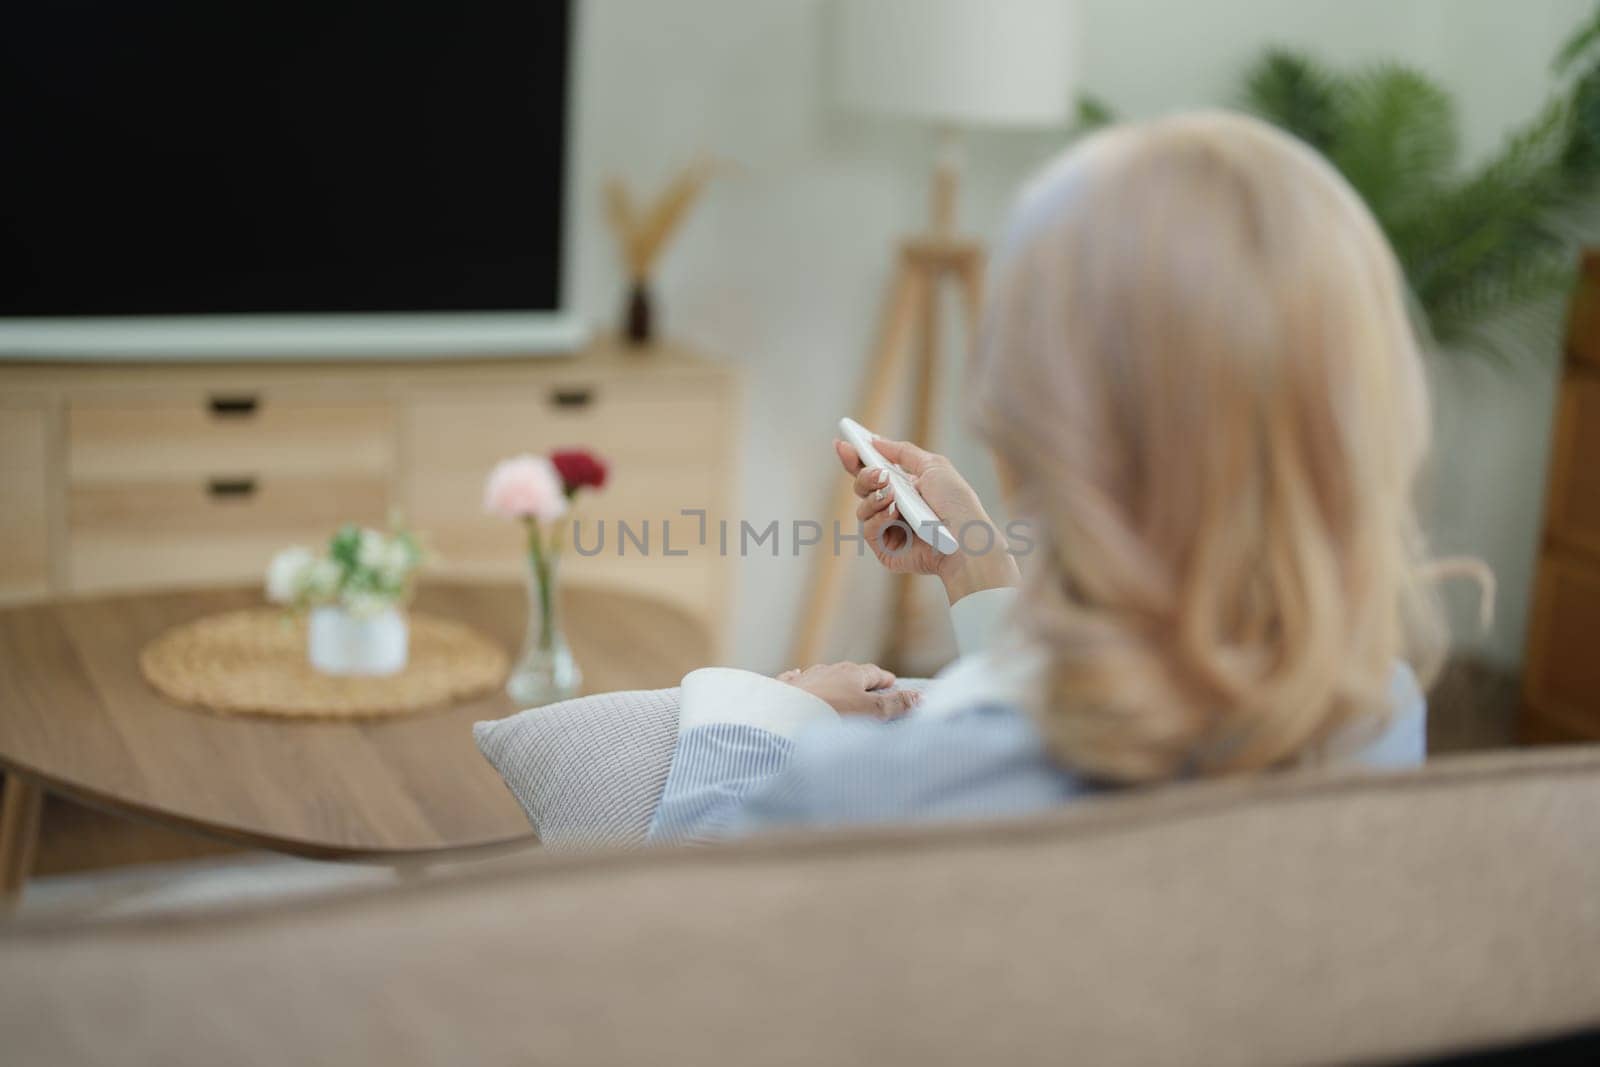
(579, 469)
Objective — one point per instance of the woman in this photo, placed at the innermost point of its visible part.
(1203, 396)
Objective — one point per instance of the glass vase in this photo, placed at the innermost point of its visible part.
(545, 671)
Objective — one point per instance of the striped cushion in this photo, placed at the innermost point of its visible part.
(588, 772)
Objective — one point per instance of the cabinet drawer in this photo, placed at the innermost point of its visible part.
(214, 528)
(628, 419)
(228, 431)
(1574, 507)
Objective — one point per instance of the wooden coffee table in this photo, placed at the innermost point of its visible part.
(77, 718)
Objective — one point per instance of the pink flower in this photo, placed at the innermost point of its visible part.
(525, 487)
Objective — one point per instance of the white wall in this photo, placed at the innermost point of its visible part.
(781, 269)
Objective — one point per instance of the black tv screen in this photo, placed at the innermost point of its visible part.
(225, 157)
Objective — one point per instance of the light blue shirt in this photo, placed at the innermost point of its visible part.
(755, 754)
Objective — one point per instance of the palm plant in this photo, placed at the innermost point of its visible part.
(1479, 247)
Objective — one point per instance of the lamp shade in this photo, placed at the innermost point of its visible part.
(956, 62)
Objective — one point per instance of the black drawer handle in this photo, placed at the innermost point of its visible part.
(572, 397)
(231, 488)
(234, 405)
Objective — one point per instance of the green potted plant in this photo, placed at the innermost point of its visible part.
(1480, 247)
(356, 594)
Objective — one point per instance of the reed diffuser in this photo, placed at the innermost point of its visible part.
(642, 235)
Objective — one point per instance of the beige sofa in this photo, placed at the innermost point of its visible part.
(1300, 919)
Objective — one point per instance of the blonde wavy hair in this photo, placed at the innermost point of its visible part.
(1198, 375)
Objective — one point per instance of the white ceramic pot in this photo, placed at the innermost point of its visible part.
(342, 643)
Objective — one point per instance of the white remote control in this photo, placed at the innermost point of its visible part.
(913, 509)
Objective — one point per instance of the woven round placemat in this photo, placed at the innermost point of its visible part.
(254, 662)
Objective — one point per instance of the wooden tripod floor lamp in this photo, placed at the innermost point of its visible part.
(951, 64)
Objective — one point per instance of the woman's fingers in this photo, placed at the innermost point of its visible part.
(909, 457)
(885, 531)
(896, 702)
(869, 481)
(874, 676)
(853, 688)
(874, 502)
(847, 456)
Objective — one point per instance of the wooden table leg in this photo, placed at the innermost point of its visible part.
(20, 808)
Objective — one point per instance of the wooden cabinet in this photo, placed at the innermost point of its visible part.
(1561, 679)
(26, 420)
(123, 477)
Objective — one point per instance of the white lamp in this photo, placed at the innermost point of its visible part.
(956, 62)
(951, 64)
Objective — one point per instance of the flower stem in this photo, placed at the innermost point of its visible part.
(540, 560)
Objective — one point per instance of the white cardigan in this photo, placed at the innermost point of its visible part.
(754, 752)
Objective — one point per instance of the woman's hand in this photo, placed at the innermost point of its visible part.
(951, 498)
(853, 688)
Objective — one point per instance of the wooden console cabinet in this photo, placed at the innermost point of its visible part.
(1561, 680)
(120, 476)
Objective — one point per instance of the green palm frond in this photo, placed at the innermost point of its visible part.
(1582, 156)
(1091, 113)
(1476, 247)
(1294, 92)
(1580, 45)
(1495, 239)
(1479, 248)
(1395, 138)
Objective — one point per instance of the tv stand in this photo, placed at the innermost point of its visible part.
(128, 476)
